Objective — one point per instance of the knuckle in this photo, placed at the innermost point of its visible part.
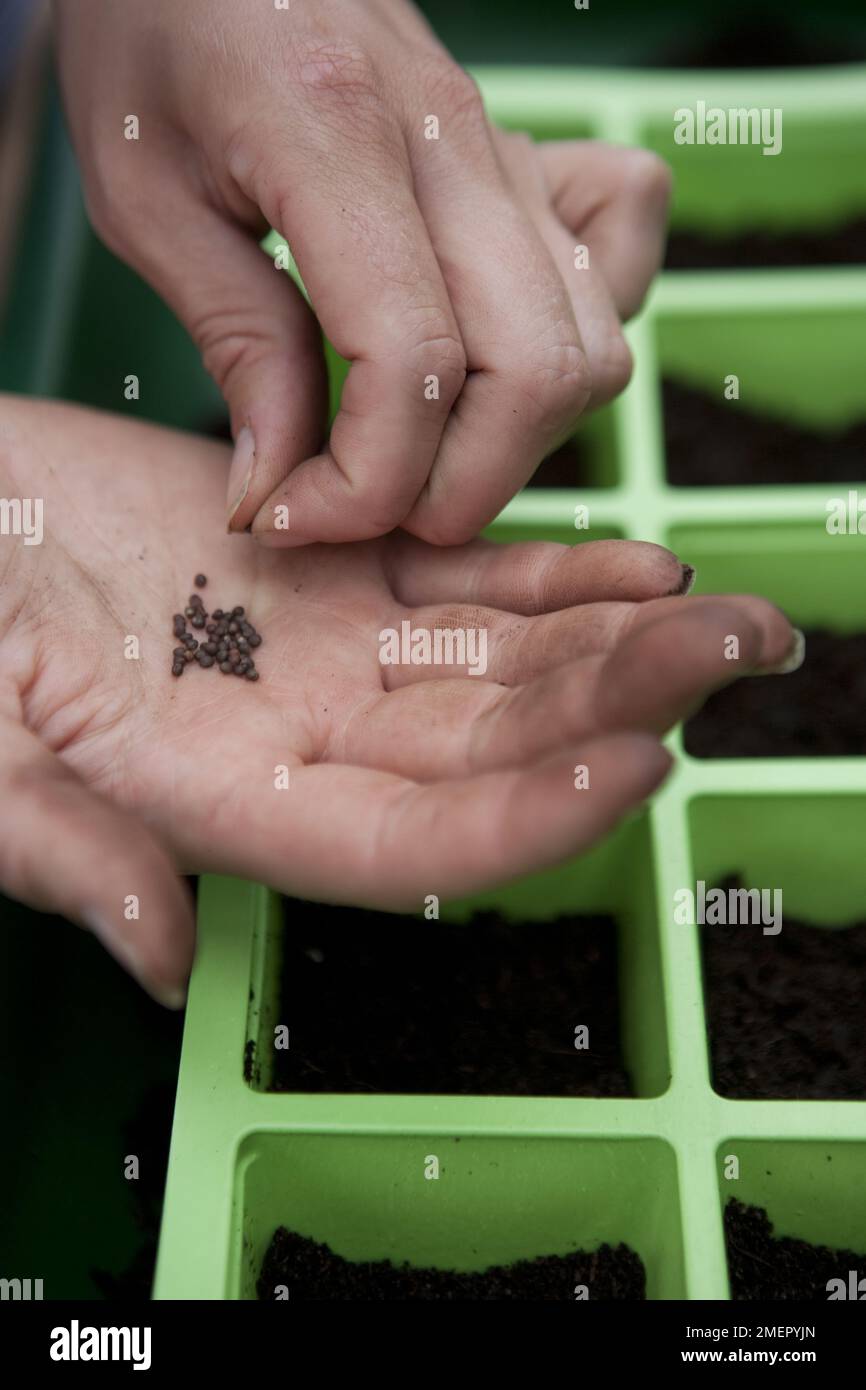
(336, 69)
(226, 343)
(111, 209)
(457, 92)
(613, 374)
(558, 382)
(441, 353)
(648, 175)
(443, 528)
(379, 510)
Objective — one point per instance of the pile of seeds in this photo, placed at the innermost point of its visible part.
(230, 639)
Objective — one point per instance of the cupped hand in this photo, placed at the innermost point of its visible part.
(335, 777)
(442, 257)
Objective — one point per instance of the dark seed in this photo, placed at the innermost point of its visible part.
(243, 644)
(189, 611)
(178, 668)
(218, 613)
(178, 618)
(252, 675)
(226, 668)
(200, 581)
(233, 627)
(237, 612)
(210, 648)
(204, 659)
(179, 652)
(234, 658)
(191, 655)
(255, 640)
(243, 665)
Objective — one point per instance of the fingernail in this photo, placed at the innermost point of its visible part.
(125, 953)
(167, 995)
(687, 581)
(793, 661)
(241, 471)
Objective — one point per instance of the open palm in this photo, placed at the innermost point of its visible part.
(334, 777)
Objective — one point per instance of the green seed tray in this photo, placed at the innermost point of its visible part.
(521, 1177)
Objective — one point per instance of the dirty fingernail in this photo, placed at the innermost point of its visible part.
(241, 471)
(687, 581)
(793, 661)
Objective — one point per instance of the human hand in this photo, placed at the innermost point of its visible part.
(450, 259)
(403, 780)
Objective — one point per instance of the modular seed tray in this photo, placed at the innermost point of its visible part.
(523, 1177)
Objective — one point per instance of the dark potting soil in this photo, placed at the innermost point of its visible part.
(567, 466)
(711, 442)
(764, 1266)
(786, 1014)
(818, 711)
(313, 1273)
(840, 245)
(756, 40)
(375, 1002)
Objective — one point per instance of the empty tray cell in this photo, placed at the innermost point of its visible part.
(458, 1203)
(734, 205)
(795, 1218)
(552, 987)
(587, 460)
(798, 415)
(818, 710)
(783, 968)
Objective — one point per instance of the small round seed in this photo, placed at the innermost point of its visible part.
(198, 620)
(178, 668)
(200, 581)
(189, 611)
(204, 659)
(179, 652)
(210, 648)
(252, 675)
(243, 644)
(233, 628)
(243, 665)
(226, 668)
(255, 640)
(190, 655)
(234, 658)
(237, 612)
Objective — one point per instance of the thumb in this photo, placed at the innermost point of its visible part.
(65, 849)
(258, 337)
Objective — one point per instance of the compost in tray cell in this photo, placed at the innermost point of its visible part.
(785, 1011)
(310, 1272)
(844, 244)
(762, 1265)
(378, 1003)
(712, 442)
(567, 466)
(817, 711)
